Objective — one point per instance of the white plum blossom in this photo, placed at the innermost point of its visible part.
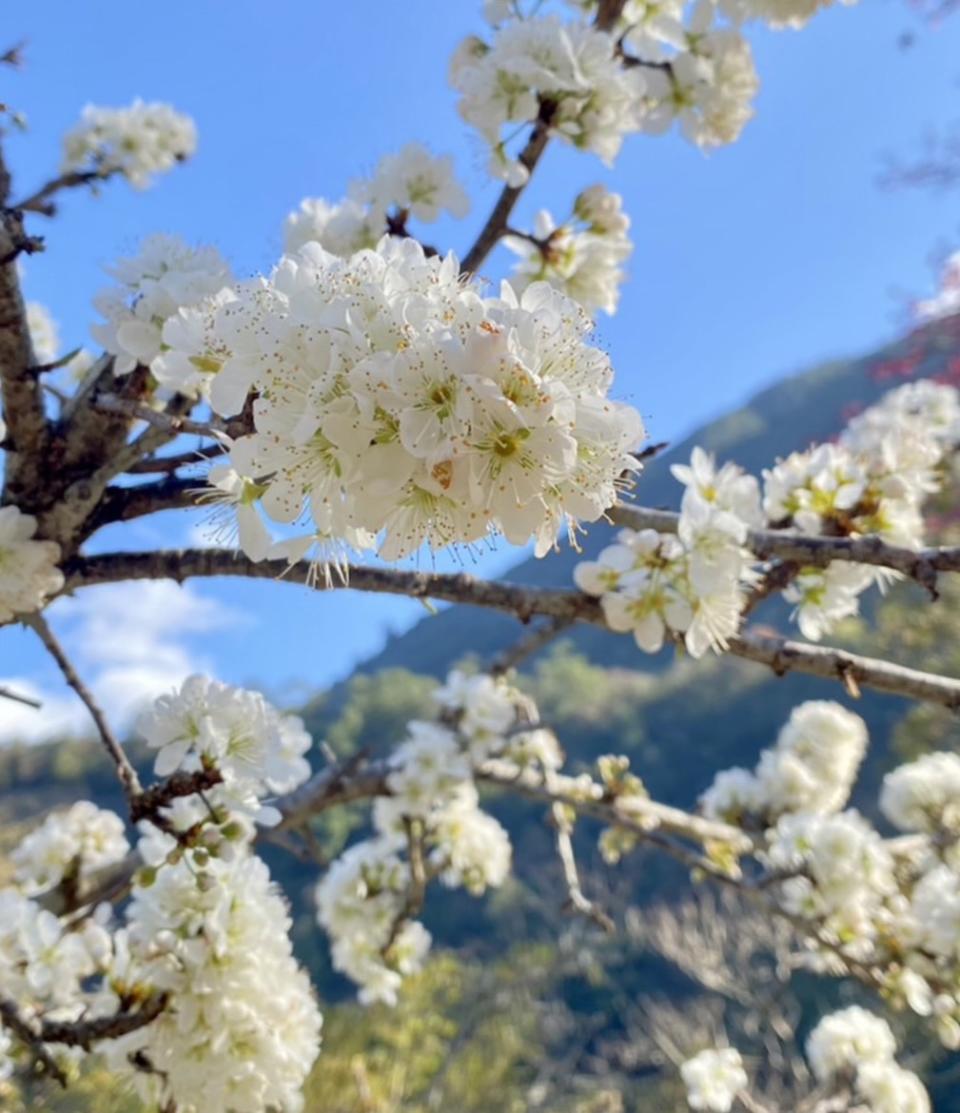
(431, 816)
(946, 301)
(166, 276)
(713, 1079)
(342, 229)
(360, 901)
(823, 597)
(581, 257)
(708, 86)
(43, 332)
(138, 141)
(243, 1027)
(395, 400)
(43, 964)
(412, 182)
(924, 795)
(839, 873)
(778, 13)
(811, 768)
(728, 489)
(655, 585)
(854, 1045)
(470, 848)
(593, 100)
(416, 182)
(426, 771)
(935, 912)
(76, 842)
(28, 567)
(847, 1039)
(257, 751)
(888, 1088)
(815, 760)
(904, 437)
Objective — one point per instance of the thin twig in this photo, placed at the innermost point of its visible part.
(168, 423)
(125, 771)
(528, 645)
(576, 899)
(29, 701)
(40, 202)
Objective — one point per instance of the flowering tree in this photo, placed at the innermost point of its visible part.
(372, 394)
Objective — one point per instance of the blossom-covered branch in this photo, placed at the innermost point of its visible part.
(779, 654)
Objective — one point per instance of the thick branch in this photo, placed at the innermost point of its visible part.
(123, 504)
(777, 653)
(27, 428)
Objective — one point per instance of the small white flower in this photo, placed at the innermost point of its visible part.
(28, 568)
(713, 1079)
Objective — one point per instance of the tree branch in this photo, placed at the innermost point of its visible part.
(40, 202)
(577, 901)
(809, 550)
(28, 432)
(7, 693)
(778, 654)
(125, 771)
(36, 1034)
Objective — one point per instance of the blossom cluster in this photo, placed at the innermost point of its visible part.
(811, 768)
(242, 1029)
(892, 905)
(393, 399)
(44, 965)
(777, 13)
(693, 585)
(872, 481)
(850, 1048)
(713, 1078)
(138, 141)
(28, 567)
(428, 825)
(206, 930)
(156, 289)
(854, 1043)
(74, 843)
(256, 751)
(411, 183)
(658, 65)
(581, 257)
(568, 73)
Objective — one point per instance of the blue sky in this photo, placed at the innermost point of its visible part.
(750, 262)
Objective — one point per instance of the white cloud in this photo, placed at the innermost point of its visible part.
(129, 642)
